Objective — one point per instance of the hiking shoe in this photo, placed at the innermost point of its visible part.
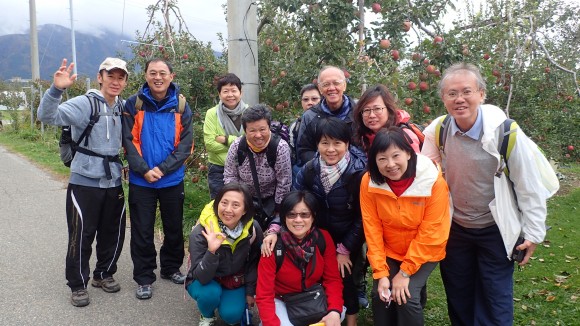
(80, 298)
(362, 300)
(144, 292)
(206, 321)
(108, 284)
(176, 277)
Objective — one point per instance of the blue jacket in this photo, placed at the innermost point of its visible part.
(157, 136)
(339, 210)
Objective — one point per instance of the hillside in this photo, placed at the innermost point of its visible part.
(54, 43)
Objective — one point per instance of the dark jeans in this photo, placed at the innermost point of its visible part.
(215, 179)
(93, 211)
(406, 314)
(143, 208)
(478, 277)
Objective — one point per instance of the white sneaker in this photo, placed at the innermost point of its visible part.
(206, 321)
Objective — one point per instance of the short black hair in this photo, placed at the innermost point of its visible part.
(332, 127)
(248, 203)
(256, 113)
(292, 199)
(385, 138)
(227, 79)
(150, 61)
(309, 87)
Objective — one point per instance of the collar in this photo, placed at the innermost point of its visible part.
(475, 130)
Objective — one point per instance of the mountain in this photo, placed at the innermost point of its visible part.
(54, 44)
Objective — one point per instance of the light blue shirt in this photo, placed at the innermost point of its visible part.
(475, 131)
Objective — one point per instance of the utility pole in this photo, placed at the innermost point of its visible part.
(243, 47)
(72, 30)
(34, 63)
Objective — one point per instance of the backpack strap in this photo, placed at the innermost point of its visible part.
(242, 150)
(441, 132)
(309, 174)
(272, 150)
(505, 144)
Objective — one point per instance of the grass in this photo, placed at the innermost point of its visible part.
(545, 292)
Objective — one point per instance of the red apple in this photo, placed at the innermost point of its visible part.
(315, 81)
(279, 107)
(346, 73)
(570, 148)
(431, 69)
(437, 73)
(547, 70)
(465, 51)
(274, 81)
(202, 167)
(384, 43)
(423, 76)
(376, 7)
(406, 25)
(486, 56)
(282, 73)
(426, 109)
(395, 55)
(416, 56)
(195, 179)
(268, 41)
(285, 104)
(438, 39)
(408, 101)
(567, 155)
(426, 61)
(185, 56)
(201, 68)
(412, 86)
(142, 53)
(506, 88)
(423, 86)
(276, 48)
(496, 73)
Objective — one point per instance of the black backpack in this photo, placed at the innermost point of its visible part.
(279, 249)
(68, 147)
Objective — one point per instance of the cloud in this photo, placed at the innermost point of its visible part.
(204, 18)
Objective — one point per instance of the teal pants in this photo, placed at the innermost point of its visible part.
(230, 304)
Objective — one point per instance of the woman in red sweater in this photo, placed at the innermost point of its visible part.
(302, 256)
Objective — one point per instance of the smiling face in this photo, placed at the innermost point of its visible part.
(231, 208)
(299, 220)
(375, 118)
(331, 150)
(230, 96)
(112, 83)
(332, 85)
(462, 108)
(393, 162)
(258, 133)
(158, 78)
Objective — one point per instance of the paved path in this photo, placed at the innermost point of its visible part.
(33, 241)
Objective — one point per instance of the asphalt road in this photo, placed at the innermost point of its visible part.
(33, 241)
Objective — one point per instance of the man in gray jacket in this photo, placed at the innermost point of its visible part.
(95, 202)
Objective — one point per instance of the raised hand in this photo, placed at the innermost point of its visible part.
(214, 239)
(62, 77)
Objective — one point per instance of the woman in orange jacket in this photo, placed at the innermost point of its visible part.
(406, 219)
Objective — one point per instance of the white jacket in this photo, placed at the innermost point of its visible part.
(526, 212)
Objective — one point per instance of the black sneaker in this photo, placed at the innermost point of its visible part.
(176, 277)
(80, 298)
(144, 292)
(107, 284)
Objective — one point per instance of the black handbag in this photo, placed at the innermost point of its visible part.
(307, 307)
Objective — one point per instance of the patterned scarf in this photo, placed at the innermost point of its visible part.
(230, 120)
(299, 252)
(231, 235)
(329, 174)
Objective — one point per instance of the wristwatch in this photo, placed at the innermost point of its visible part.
(405, 275)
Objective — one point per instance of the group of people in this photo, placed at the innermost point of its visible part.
(290, 218)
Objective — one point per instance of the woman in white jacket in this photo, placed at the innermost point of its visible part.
(487, 218)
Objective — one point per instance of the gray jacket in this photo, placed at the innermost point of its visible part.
(105, 138)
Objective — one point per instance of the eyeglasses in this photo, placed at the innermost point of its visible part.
(161, 74)
(303, 215)
(335, 83)
(466, 93)
(308, 99)
(366, 112)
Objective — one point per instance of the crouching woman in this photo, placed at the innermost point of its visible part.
(304, 261)
(224, 249)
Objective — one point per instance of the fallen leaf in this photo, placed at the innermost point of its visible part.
(570, 257)
(524, 307)
(550, 298)
(541, 260)
(560, 278)
(517, 300)
(547, 245)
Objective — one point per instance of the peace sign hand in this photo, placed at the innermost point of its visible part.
(62, 77)
(214, 239)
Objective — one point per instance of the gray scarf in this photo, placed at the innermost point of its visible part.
(226, 118)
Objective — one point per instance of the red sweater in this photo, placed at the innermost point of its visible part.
(288, 280)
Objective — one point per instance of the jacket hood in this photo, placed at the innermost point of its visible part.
(207, 218)
(402, 116)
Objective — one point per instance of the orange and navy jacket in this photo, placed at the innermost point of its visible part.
(157, 136)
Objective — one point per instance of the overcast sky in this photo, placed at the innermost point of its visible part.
(204, 18)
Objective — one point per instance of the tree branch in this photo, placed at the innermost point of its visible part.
(264, 21)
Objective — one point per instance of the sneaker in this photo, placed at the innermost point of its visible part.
(206, 321)
(176, 277)
(80, 298)
(144, 292)
(362, 300)
(108, 284)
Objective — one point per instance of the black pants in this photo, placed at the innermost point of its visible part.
(143, 208)
(93, 211)
(215, 179)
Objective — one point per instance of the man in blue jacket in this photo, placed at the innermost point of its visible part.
(158, 138)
